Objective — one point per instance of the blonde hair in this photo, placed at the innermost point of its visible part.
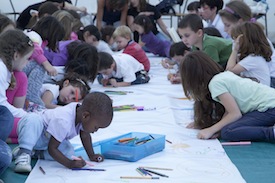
(123, 31)
(67, 20)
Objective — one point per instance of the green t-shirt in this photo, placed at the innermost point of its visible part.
(219, 49)
(249, 95)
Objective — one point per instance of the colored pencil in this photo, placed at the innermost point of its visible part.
(133, 177)
(235, 143)
(88, 169)
(42, 170)
(156, 168)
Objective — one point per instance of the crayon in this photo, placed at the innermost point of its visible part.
(42, 170)
(133, 177)
(235, 143)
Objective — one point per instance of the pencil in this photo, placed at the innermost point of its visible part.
(42, 170)
(235, 143)
(168, 141)
(133, 177)
(156, 168)
(89, 169)
(156, 173)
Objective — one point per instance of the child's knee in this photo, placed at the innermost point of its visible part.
(32, 121)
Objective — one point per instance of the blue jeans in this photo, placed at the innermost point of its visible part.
(6, 124)
(33, 136)
(272, 82)
(254, 126)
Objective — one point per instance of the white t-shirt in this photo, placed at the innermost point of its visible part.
(271, 64)
(60, 122)
(53, 88)
(104, 47)
(126, 67)
(257, 67)
(5, 78)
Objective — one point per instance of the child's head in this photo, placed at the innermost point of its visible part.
(107, 33)
(210, 8)
(253, 40)
(197, 69)
(15, 49)
(89, 56)
(212, 31)
(141, 4)
(193, 7)
(50, 30)
(66, 19)
(6, 23)
(234, 13)
(95, 112)
(190, 29)
(142, 24)
(106, 63)
(73, 88)
(177, 51)
(122, 36)
(90, 34)
(46, 9)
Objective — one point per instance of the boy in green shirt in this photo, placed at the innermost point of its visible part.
(190, 29)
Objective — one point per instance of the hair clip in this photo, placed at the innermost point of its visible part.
(83, 83)
(30, 43)
(253, 20)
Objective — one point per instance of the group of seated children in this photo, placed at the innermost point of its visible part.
(198, 62)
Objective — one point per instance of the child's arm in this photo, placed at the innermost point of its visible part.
(232, 64)
(99, 14)
(114, 83)
(123, 16)
(87, 143)
(47, 98)
(232, 114)
(59, 156)
(49, 68)
(163, 27)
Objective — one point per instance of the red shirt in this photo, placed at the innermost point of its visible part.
(136, 51)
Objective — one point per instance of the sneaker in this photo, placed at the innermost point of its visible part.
(23, 163)
(15, 153)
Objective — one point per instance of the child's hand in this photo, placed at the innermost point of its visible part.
(49, 68)
(191, 125)
(104, 82)
(237, 43)
(175, 80)
(113, 82)
(205, 133)
(97, 158)
(165, 64)
(77, 163)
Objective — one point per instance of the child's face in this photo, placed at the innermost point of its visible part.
(228, 25)
(91, 125)
(134, 3)
(90, 39)
(138, 28)
(189, 37)
(122, 42)
(20, 62)
(69, 94)
(207, 13)
(106, 72)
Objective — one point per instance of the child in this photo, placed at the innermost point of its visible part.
(143, 25)
(251, 53)
(244, 118)
(90, 34)
(121, 70)
(107, 36)
(72, 88)
(49, 133)
(50, 31)
(177, 52)
(15, 50)
(123, 38)
(191, 30)
(82, 59)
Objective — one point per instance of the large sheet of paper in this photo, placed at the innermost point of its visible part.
(191, 159)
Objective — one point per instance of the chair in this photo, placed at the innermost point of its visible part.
(14, 13)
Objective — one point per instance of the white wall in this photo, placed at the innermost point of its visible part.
(91, 6)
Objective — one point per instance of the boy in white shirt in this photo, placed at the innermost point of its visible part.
(120, 70)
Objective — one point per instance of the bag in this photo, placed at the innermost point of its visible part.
(165, 6)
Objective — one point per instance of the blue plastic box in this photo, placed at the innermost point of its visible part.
(142, 145)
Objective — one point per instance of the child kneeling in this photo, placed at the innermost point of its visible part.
(120, 70)
(48, 133)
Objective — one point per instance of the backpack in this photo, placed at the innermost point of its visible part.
(165, 6)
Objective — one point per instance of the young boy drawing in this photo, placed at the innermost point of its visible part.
(120, 70)
(123, 38)
(190, 29)
(49, 132)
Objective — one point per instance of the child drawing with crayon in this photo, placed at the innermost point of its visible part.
(120, 70)
(46, 134)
